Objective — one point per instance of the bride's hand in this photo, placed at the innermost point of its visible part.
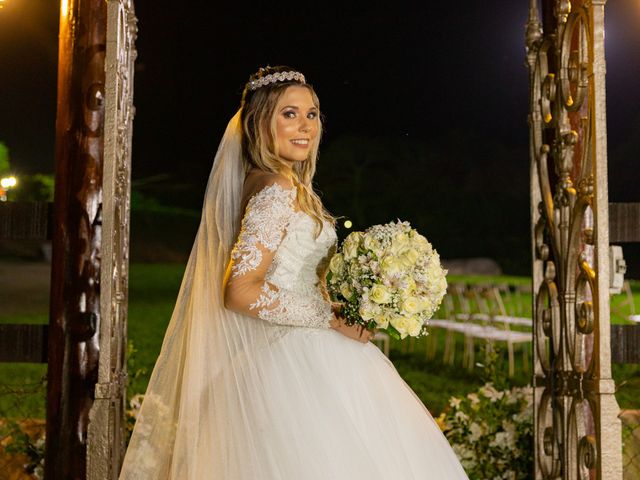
(356, 332)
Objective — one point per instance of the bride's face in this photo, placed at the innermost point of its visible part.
(296, 124)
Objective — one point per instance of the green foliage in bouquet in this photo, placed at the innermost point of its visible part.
(388, 277)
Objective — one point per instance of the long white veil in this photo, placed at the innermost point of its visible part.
(236, 398)
(191, 407)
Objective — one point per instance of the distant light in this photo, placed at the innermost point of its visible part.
(348, 224)
(1, 4)
(64, 8)
(8, 182)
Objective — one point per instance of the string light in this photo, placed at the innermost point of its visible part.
(8, 182)
(5, 184)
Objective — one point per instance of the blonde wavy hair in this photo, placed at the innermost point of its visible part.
(259, 147)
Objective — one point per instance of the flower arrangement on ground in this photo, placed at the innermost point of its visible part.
(388, 277)
(491, 432)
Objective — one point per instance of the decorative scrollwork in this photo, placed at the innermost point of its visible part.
(542, 249)
(548, 461)
(587, 452)
(566, 65)
(547, 319)
(586, 321)
(548, 442)
(580, 443)
(574, 61)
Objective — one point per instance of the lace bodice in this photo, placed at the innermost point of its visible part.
(300, 255)
(278, 244)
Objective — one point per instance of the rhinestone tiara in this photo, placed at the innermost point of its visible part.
(275, 77)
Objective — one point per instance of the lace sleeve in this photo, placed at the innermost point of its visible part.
(263, 226)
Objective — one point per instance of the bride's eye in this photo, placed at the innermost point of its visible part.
(289, 114)
(312, 115)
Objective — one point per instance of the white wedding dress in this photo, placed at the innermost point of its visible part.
(282, 396)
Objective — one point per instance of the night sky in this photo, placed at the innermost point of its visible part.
(426, 71)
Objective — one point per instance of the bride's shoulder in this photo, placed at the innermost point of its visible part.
(267, 184)
(257, 180)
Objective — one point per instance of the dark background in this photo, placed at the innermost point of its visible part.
(425, 107)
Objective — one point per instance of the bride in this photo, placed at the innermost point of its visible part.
(257, 378)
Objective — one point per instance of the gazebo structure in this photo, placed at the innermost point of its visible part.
(577, 432)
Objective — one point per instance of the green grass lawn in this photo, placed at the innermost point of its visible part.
(152, 294)
(153, 290)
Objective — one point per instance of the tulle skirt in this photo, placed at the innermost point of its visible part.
(323, 406)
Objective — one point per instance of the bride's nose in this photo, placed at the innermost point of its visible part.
(305, 125)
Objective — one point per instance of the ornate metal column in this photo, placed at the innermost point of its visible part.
(577, 432)
(106, 438)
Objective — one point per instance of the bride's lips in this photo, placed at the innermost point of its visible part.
(300, 142)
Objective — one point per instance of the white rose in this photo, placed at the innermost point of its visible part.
(354, 269)
(350, 246)
(410, 305)
(336, 264)
(370, 243)
(346, 291)
(368, 310)
(425, 305)
(414, 326)
(410, 257)
(401, 324)
(399, 243)
(382, 320)
(380, 294)
(421, 243)
(390, 265)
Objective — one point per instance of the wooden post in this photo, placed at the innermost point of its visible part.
(75, 277)
(624, 222)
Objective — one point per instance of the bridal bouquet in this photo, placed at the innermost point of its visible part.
(388, 277)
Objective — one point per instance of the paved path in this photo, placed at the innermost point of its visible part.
(24, 288)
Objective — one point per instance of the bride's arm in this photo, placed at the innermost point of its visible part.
(264, 223)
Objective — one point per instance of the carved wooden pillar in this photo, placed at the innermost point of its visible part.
(75, 278)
